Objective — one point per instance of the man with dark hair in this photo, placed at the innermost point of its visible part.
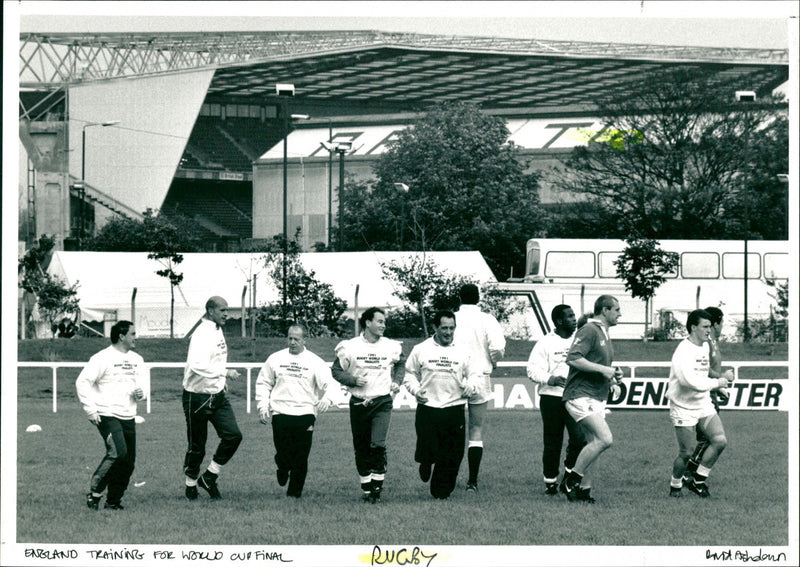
(586, 392)
(547, 367)
(371, 366)
(204, 401)
(109, 387)
(290, 389)
(439, 376)
(482, 336)
(715, 371)
(690, 406)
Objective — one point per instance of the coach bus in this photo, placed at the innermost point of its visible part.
(709, 273)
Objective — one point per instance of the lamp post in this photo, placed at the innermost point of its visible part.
(341, 148)
(402, 188)
(284, 91)
(746, 96)
(82, 190)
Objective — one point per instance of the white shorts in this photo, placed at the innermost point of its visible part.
(483, 395)
(682, 417)
(581, 408)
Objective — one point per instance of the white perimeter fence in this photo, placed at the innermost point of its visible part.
(514, 392)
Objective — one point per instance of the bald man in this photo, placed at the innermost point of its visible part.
(204, 401)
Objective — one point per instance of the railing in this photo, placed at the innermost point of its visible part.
(249, 366)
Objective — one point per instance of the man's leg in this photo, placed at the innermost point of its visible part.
(426, 449)
(450, 429)
(712, 428)
(477, 413)
(114, 442)
(686, 438)
(599, 438)
(230, 437)
(381, 418)
(120, 473)
(552, 439)
(303, 430)
(283, 444)
(195, 409)
(360, 427)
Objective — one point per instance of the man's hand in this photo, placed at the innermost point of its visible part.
(264, 416)
(323, 405)
(722, 383)
(138, 394)
(232, 374)
(557, 381)
(361, 381)
(421, 397)
(394, 387)
(95, 418)
(469, 390)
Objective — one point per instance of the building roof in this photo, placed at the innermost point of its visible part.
(396, 71)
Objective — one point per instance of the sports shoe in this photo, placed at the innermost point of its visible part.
(584, 495)
(551, 488)
(375, 494)
(425, 470)
(210, 486)
(366, 496)
(472, 487)
(569, 486)
(93, 502)
(283, 477)
(675, 492)
(191, 492)
(114, 506)
(698, 488)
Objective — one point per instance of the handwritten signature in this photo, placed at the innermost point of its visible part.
(729, 555)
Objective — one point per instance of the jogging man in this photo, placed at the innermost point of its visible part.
(690, 406)
(439, 375)
(482, 336)
(586, 392)
(371, 366)
(108, 387)
(717, 396)
(291, 389)
(547, 366)
(204, 401)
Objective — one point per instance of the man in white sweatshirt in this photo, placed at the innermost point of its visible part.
(441, 376)
(481, 334)
(204, 401)
(291, 389)
(547, 366)
(108, 387)
(690, 405)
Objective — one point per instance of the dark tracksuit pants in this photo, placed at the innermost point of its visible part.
(369, 423)
(114, 471)
(441, 436)
(555, 418)
(200, 410)
(292, 436)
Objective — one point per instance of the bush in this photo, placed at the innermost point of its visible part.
(668, 329)
(765, 330)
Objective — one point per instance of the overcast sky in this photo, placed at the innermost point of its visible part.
(721, 24)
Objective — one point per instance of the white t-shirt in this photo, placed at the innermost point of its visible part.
(441, 371)
(105, 385)
(549, 358)
(291, 384)
(689, 384)
(480, 334)
(373, 361)
(206, 361)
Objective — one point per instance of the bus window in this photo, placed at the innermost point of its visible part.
(700, 265)
(733, 265)
(569, 265)
(776, 266)
(605, 264)
(533, 259)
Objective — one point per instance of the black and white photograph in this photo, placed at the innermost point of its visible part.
(400, 283)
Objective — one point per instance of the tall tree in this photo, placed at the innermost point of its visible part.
(128, 235)
(643, 266)
(671, 163)
(466, 190)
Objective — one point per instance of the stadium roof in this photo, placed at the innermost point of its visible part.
(399, 71)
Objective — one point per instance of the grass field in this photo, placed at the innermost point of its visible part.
(748, 505)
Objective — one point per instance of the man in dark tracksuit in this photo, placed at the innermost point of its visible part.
(440, 375)
(371, 367)
(204, 401)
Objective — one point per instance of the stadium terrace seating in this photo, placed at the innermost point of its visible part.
(225, 211)
(231, 144)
